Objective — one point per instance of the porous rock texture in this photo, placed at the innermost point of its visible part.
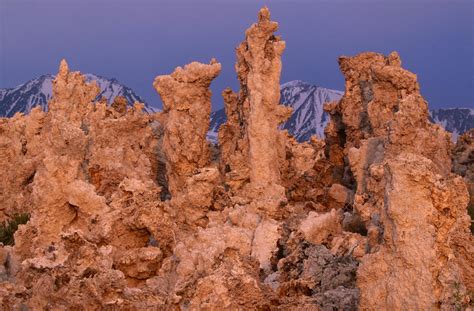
(250, 140)
(136, 211)
(405, 194)
(463, 164)
(185, 118)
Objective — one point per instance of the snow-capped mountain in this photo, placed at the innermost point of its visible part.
(307, 101)
(38, 92)
(218, 118)
(454, 120)
(309, 118)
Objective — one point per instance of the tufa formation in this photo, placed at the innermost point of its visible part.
(137, 211)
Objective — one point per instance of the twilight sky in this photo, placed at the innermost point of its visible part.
(136, 40)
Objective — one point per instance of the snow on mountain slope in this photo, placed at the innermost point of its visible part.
(218, 118)
(307, 101)
(454, 120)
(38, 92)
(309, 118)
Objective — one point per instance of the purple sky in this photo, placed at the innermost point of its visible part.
(136, 40)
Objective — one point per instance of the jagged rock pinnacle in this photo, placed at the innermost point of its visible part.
(264, 15)
(132, 211)
(63, 68)
(186, 115)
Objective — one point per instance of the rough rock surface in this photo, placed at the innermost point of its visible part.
(186, 111)
(463, 165)
(250, 140)
(132, 211)
(15, 187)
(407, 197)
(185, 118)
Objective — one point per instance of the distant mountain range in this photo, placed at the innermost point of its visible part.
(38, 92)
(454, 120)
(309, 118)
(307, 101)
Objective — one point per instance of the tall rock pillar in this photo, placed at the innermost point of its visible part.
(186, 112)
(255, 115)
(405, 192)
(186, 117)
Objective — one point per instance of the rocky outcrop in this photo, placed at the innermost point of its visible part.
(405, 193)
(18, 137)
(254, 115)
(92, 179)
(463, 165)
(136, 211)
(462, 241)
(185, 118)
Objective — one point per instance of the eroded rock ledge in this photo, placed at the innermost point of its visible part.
(132, 211)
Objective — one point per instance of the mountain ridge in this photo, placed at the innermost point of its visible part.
(455, 120)
(38, 91)
(306, 99)
(308, 117)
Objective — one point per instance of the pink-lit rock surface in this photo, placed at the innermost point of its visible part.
(137, 211)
